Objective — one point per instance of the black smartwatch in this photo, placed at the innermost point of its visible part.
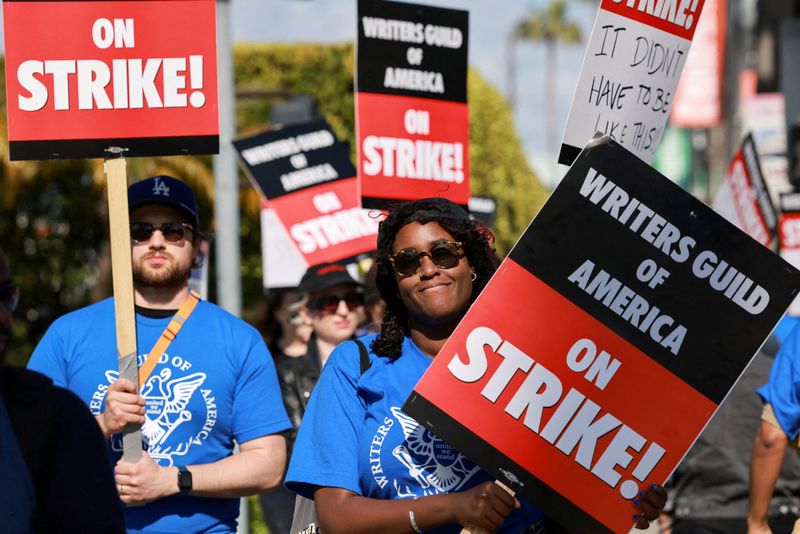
(184, 480)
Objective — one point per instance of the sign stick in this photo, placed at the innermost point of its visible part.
(478, 530)
(122, 274)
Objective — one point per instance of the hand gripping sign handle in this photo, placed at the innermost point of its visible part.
(478, 530)
(122, 274)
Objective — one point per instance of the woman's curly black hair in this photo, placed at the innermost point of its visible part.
(477, 241)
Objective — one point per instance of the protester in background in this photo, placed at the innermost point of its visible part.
(780, 423)
(285, 329)
(198, 399)
(331, 301)
(374, 306)
(358, 455)
(54, 463)
(709, 489)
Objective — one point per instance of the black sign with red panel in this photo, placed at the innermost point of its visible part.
(412, 119)
(605, 342)
(307, 176)
(85, 76)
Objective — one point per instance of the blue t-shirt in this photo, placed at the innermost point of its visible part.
(216, 382)
(783, 388)
(355, 436)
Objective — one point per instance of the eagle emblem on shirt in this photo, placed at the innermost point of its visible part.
(167, 400)
(431, 462)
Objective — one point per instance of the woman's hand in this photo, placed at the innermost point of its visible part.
(485, 506)
(649, 505)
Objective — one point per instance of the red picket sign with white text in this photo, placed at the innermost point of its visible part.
(743, 197)
(412, 119)
(85, 76)
(307, 176)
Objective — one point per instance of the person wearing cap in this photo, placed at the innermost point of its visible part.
(202, 372)
(50, 447)
(332, 301)
(369, 466)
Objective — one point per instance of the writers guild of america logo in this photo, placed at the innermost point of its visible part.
(160, 188)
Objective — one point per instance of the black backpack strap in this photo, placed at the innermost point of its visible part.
(363, 356)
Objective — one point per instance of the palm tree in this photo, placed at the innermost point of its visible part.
(550, 26)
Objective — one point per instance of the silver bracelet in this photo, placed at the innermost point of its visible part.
(414, 523)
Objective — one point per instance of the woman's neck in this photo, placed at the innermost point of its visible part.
(325, 348)
(430, 339)
(292, 345)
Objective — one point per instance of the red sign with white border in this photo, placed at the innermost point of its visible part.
(85, 76)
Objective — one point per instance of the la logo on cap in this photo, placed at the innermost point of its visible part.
(160, 188)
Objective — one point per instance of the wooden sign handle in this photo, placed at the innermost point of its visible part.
(122, 274)
(478, 530)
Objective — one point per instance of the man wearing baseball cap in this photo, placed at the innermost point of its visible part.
(201, 372)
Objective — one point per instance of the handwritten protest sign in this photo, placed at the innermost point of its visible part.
(743, 197)
(605, 341)
(307, 176)
(84, 76)
(412, 120)
(634, 59)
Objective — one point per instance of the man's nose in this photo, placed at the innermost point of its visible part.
(157, 239)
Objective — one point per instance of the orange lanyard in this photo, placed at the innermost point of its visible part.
(167, 336)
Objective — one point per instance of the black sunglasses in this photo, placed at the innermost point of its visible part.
(443, 254)
(330, 303)
(174, 232)
(9, 295)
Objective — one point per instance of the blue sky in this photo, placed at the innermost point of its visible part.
(490, 24)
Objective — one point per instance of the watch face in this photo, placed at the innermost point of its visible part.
(184, 480)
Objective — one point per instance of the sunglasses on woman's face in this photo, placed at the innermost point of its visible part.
(443, 254)
(173, 232)
(9, 295)
(328, 304)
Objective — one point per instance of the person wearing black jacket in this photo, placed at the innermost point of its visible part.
(333, 302)
(55, 470)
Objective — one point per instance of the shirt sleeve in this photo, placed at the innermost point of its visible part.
(48, 357)
(257, 404)
(326, 451)
(781, 391)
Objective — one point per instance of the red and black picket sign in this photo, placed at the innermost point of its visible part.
(307, 176)
(747, 197)
(83, 76)
(605, 342)
(412, 119)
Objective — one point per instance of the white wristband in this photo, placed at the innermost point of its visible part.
(414, 523)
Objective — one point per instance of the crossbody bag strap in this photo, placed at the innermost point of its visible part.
(363, 356)
(167, 336)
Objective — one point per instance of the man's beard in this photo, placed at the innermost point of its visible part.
(169, 275)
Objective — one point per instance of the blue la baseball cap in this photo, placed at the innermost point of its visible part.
(167, 191)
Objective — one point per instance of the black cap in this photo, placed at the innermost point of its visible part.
(323, 276)
(166, 191)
